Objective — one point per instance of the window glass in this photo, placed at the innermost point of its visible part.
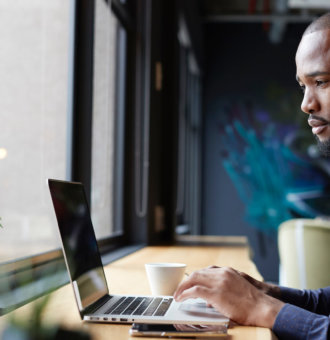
(189, 157)
(108, 124)
(34, 140)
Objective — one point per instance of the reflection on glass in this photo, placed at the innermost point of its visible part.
(91, 286)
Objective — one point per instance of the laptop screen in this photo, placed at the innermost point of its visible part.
(79, 242)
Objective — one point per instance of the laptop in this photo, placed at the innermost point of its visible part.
(94, 301)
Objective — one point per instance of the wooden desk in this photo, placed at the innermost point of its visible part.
(127, 276)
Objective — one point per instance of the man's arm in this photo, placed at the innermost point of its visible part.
(295, 323)
(305, 314)
(316, 301)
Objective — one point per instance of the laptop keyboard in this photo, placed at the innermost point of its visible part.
(140, 306)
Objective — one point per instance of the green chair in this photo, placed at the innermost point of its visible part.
(304, 249)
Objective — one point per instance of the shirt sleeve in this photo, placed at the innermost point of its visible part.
(316, 301)
(295, 323)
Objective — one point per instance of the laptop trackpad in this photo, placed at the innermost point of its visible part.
(198, 307)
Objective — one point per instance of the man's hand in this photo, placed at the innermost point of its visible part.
(232, 294)
(267, 288)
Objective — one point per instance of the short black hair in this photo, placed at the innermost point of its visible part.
(319, 24)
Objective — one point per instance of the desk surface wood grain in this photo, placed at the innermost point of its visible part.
(127, 276)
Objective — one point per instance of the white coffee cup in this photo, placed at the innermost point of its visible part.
(164, 277)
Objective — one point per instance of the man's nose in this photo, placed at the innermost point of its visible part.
(310, 103)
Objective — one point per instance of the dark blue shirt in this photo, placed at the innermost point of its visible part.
(305, 315)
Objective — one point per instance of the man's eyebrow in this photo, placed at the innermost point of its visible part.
(314, 74)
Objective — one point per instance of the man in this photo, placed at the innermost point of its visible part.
(290, 313)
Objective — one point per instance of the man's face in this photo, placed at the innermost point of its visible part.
(313, 75)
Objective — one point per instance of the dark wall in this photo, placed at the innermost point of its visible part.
(241, 64)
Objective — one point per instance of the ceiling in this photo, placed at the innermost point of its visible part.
(257, 10)
(278, 13)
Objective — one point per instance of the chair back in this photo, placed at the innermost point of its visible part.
(304, 250)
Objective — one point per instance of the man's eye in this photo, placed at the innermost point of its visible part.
(302, 88)
(320, 82)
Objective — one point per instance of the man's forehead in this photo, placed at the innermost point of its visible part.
(314, 52)
(316, 42)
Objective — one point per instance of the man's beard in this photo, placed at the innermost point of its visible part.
(324, 147)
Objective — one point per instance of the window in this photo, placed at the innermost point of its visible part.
(35, 140)
(189, 157)
(108, 121)
(36, 70)
(142, 109)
